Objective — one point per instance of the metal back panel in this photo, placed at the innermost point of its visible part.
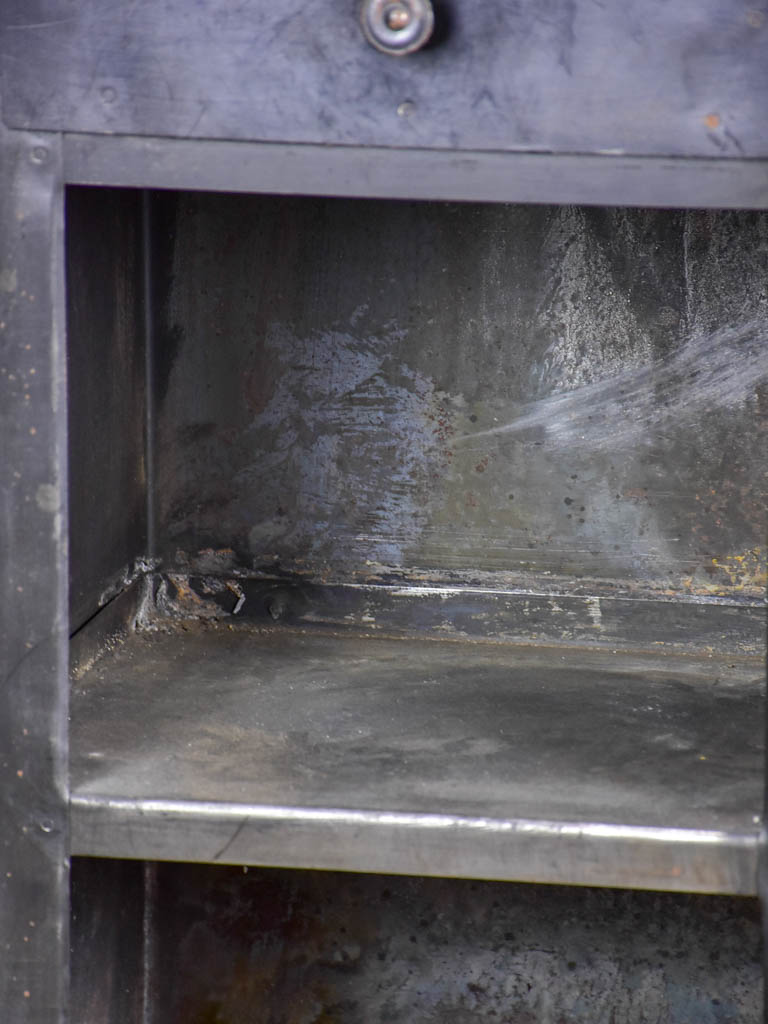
(271, 946)
(546, 398)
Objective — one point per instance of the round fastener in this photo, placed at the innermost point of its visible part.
(397, 17)
(397, 27)
(39, 155)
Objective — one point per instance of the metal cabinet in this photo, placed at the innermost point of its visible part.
(384, 479)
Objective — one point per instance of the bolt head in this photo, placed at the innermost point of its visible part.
(397, 27)
(397, 17)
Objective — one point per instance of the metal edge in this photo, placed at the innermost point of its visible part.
(522, 850)
(378, 172)
(34, 881)
(109, 626)
(468, 613)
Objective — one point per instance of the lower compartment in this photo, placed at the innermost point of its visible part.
(200, 944)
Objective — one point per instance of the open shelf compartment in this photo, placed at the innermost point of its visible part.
(418, 537)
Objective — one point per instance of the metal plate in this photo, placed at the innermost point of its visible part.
(460, 613)
(111, 928)
(316, 749)
(270, 946)
(33, 585)
(106, 357)
(415, 173)
(548, 399)
(643, 77)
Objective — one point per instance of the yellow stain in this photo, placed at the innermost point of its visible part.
(745, 571)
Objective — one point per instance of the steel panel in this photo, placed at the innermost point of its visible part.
(268, 946)
(325, 749)
(111, 938)
(552, 400)
(33, 585)
(643, 77)
(106, 395)
(416, 173)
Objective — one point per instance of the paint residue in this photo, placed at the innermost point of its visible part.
(633, 407)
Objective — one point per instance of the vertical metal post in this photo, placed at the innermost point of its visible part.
(762, 861)
(34, 908)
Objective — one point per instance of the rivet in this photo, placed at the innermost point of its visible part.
(39, 155)
(108, 94)
(406, 108)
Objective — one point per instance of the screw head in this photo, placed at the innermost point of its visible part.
(397, 27)
(397, 17)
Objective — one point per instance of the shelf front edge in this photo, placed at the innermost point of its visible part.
(522, 850)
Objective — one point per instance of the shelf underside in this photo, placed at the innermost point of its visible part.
(323, 749)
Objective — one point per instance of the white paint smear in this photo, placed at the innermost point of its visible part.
(716, 371)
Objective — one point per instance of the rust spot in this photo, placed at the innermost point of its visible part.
(482, 465)
(712, 120)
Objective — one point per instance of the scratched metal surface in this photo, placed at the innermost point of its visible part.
(547, 398)
(323, 748)
(281, 947)
(644, 76)
(328, 719)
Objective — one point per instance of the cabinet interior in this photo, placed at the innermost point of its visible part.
(411, 538)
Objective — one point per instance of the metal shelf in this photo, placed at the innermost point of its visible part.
(320, 748)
